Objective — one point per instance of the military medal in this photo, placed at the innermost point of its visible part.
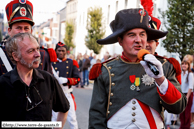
(137, 83)
(132, 79)
(147, 80)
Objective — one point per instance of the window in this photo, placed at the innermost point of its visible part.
(138, 4)
(116, 6)
(80, 20)
(154, 11)
(83, 18)
(126, 3)
(108, 14)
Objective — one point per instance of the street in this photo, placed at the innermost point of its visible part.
(82, 98)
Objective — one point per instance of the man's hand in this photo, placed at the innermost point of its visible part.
(152, 59)
(62, 80)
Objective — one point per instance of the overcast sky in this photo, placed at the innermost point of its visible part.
(43, 9)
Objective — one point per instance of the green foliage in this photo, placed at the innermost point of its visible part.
(94, 28)
(0, 36)
(69, 30)
(180, 26)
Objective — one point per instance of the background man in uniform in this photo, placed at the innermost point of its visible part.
(126, 93)
(20, 20)
(66, 72)
(26, 93)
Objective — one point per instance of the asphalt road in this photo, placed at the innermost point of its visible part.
(82, 98)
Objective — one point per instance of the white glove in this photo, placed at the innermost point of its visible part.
(151, 58)
(62, 80)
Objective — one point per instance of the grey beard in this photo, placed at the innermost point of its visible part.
(29, 65)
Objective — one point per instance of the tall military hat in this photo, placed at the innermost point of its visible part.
(128, 19)
(19, 10)
(154, 22)
(60, 44)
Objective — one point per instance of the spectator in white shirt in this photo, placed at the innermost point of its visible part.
(187, 89)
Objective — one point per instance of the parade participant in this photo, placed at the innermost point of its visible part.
(126, 93)
(151, 46)
(187, 89)
(20, 20)
(85, 70)
(26, 93)
(66, 72)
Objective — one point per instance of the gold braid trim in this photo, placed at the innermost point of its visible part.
(142, 16)
(14, 12)
(109, 90)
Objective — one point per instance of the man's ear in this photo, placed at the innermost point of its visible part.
(15, 56)
(31, 30)
(120, 41)
(157, 44)
(9, 31)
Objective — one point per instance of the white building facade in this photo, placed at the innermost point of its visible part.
(76, 10)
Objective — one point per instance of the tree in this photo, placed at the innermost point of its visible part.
(0, 36)
(94, 28)
(180, 26)
(69, 30)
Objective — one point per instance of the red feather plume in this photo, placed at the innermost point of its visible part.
(148, 6)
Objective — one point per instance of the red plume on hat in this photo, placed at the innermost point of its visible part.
(148, 6)
(19, 10)
(153, 21)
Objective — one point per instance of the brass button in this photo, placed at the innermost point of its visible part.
(67, 72)
(160, 102)
(133, 120)
(3, 73)
(112, 74)
(108, 112)
(66, 61)
(55, 68)
(3, 65)
(109, 67)
(133, 102)
(133, 108)
(113, 84)
(54, 62)
(110, 103)
(40, 63)
(111, 94)
(67, 67)
(133, 114)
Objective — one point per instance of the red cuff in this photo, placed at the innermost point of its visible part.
(172, 94)
(73, 81)
(52, 55)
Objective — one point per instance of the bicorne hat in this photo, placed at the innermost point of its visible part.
(128, 19)
(19, 10)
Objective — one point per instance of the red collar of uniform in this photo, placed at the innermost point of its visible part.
(127, 59)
